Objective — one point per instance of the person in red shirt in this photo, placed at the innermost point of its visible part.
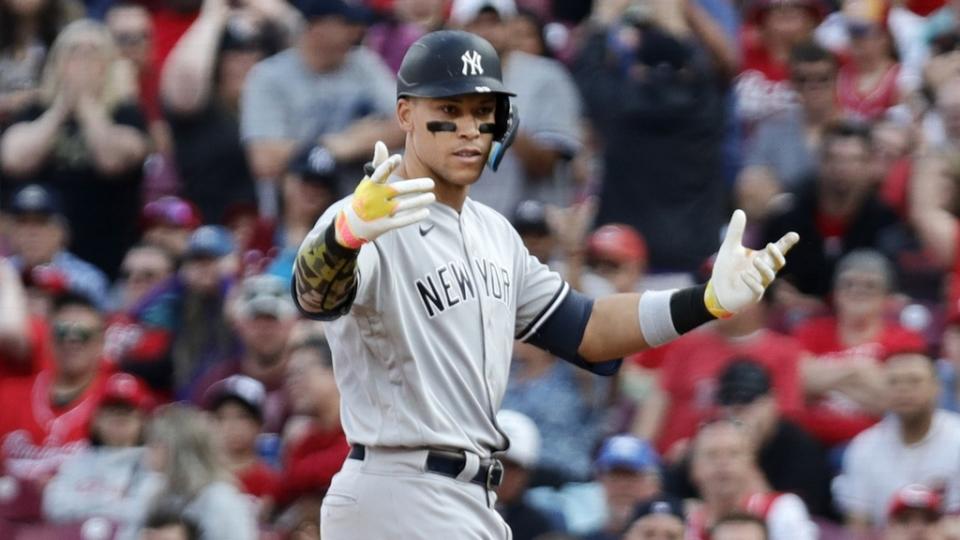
(690, 367)
(843, 380)
(314, 441)
(237, 406)
(775, 27)
(868, 85)
(45, 418)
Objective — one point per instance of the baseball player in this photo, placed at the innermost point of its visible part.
(426, 290)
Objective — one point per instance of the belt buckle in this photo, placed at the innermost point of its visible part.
(494, 474)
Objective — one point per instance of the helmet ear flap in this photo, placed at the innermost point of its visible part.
(506, 132)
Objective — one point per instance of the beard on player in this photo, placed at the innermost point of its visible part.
(453, 158)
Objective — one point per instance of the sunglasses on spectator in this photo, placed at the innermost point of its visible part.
(64, 332)
(809, 79)
(871, 286)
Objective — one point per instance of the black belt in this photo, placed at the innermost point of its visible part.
(449, 464)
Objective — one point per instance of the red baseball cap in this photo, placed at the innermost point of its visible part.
(125, 389)
(916, 497)
(618, 242)
(172, 212)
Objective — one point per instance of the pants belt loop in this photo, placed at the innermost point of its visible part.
(470, 467)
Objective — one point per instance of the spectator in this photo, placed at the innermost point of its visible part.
(315, 446)
(617, 261)
(628, 471)
(527, 34)
(40, 237)
(548, 105)
(916, 443)
(86, 140)
(567, 407)
(27, 29)
(409, 20)
(322, 91)
(132, 31)
(263, 315)
(181, 448)
(168, 223)
(867, 86)
(787, 142)
(660, 518)
(44, 418)
(690, 367)
(775, 28)
(941, 125)
(525, 521)
(914, 514)
(948, 366)
(237, 406)
(164, 523)
(843, 380)
(144, 268)
(108, 479)
(790, 459)
(309, 188)
(201, 86)
(834, 215)
(530, 221)
(739, 527)
(725, 471)
(656, 96)
(190, 310)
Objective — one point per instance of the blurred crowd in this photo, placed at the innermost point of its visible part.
(162, 160)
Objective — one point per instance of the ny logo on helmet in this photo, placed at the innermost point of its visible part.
(471, 63)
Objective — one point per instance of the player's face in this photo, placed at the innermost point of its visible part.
(456, 157)
(656, 527)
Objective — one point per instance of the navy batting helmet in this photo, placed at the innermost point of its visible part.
(451, 63)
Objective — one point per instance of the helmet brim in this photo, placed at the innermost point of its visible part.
(468, 85)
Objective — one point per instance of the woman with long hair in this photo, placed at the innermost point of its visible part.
(85, 140)
(181, 448)
(27, 29)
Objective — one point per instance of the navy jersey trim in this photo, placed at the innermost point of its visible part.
(551, 306)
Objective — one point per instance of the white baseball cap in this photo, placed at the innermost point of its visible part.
(465, 11)
(524, 438)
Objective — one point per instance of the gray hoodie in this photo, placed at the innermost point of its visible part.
(113, 483)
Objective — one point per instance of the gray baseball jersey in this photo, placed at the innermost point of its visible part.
(422, 357)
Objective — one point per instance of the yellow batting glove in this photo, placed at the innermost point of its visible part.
(741, 275)
(378, 207)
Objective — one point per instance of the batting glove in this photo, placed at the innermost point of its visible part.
(741, 275)
(378, 207)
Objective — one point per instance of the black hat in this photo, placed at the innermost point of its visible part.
(450, 63)
(661, 504)
(316, 9)
(743, 381)
(315, 164)
(531, 217)
(34, 199)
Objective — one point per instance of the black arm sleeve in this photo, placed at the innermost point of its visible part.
(562, 333)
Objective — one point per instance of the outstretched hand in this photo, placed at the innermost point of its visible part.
(741, 275)
(378, 207)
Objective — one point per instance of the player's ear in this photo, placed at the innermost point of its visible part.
(405, 114)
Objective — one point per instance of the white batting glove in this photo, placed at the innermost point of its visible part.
(378, 207)
(741, 275)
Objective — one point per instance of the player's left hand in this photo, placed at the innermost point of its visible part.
(741, 275)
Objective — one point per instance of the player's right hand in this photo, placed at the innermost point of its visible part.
(378, 207)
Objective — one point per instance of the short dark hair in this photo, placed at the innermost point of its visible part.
(741, 517)
(166, 514)
(74, 299)
(847, 129)
(809, 52)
